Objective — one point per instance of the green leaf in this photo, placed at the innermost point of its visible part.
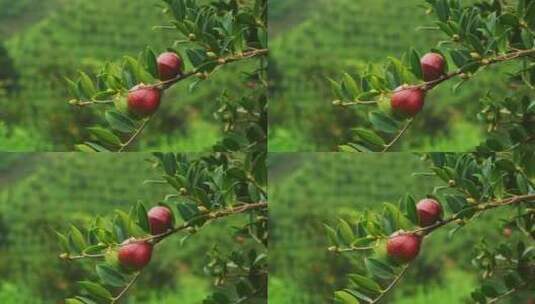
(91, 147)
(336, 89)
(458, 58)
(350, 85)
(343, 297)
(331, 234)
(416, 67)
(120, 122)
(105, 136)
(455, 203)
(359, 295)
(142, 219)
(409, 204)
(169, 163)
(345, 232)
(96, 290)
(109, 276)
(489, 291)
(188, 210)
(73, 88)
(379, 269)
(87, 85)
(383, 123)
(151, 62)
(370, 137)
(63, 242)
(78, 239)
(73, 301)
(365, 283)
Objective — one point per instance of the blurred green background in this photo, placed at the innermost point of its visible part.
(44, 41)
(44, 192)
(316, 39)
(310, 189)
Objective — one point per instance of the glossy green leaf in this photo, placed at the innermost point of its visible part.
(96, 290)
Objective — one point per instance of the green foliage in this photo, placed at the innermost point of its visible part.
(11, 294)
(19, 139)
(471, 185)
(307, 190)
(329, 36)
(206, 188)
(478, 36)
(58, 39)
(211, 35)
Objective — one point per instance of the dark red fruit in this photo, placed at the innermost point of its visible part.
(169, 65)
(403, 248)
(135, 256)
(160, 220)
(433, 65)
(429, 212)
(408, 102)
(144, 101)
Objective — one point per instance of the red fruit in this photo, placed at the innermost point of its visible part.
(144, 101)
(408, 102)
(160, 220)
(403, 248)
(135, 256)
(429, 212)
(169, 65)
(433, 65)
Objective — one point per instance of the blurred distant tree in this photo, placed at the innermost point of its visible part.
(385, 243)
(206, 189)
(211, 36)
(8, 73)
(479, 35)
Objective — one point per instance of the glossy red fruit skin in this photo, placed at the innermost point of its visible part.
(433, 65)
(160, 220)
(169, 65)
(144, 101)
(408, 102)
(429, 212)
(403, 248)
(135, 256)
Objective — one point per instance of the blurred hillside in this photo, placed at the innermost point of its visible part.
(310, 189)
(41, 193)
(324, 38)
(46, 41)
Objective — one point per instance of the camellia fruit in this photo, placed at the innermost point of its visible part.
(433, 65)
(134, 256)
(160, 220)
(407, 101)
(143, 101)
(169, 65)
(429, 212)
(403, 247)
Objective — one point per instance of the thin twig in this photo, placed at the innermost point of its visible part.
(135, 135)
(400, 134)
(189, 224)
(500, 297)
(480, 208)
(127, 287)
(391, 286)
